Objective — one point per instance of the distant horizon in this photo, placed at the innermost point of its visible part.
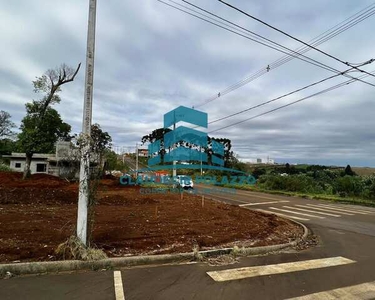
(320, 163)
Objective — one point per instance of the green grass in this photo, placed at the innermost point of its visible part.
(331, 198)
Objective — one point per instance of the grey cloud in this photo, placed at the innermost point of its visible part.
(150, 59)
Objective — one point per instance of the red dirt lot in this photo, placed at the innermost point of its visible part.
(38, 214)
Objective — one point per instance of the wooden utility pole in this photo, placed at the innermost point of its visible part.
(84, 176)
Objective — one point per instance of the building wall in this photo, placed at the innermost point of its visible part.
(20, 162)
(33, 165)
(268, 161)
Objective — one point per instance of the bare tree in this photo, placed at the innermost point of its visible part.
(50, 83)
(6, 124)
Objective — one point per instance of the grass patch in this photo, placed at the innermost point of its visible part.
(332, 198)
(73, 248)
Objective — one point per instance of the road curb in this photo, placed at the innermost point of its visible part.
(120, 262)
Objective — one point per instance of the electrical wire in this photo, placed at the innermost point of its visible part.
(292, 37)
(285, 95)
(260, 73)
(254, 39)
(294, 102)
(325, 36)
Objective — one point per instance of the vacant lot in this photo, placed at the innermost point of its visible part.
(38, 214)
(363, 171)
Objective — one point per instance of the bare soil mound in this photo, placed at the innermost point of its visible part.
(38, 214)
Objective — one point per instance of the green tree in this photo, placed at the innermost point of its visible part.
(157, 134)
(349, 171)
(101, 142)
(6, 125)
(113, 163)
(229, 158)
(257, 172)
(36, 131)
(7, 146)
(38, 136)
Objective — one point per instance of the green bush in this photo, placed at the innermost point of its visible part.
(369, 187)
(5, 168)
(316, 180)
(257, 172)
(349, 185)
(291, 183)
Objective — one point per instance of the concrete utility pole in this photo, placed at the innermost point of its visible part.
(174, 173)
(136, 160)
(201, 161)
(84, 176)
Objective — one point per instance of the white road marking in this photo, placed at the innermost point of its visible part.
(362, 291)
(328, 209)
(351, 208)
(259, 203)
(227, 198)
(282, 215)
(119, 290)
(248, 272)
(297, 213)
(257, 196)
(342, 209)
(311, 209)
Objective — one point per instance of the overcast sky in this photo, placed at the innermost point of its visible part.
(151, 58)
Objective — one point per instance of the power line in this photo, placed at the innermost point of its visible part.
(286, 58)
(253, 33)
(325, 36)
(292, 103)
(273, 100)
(328, 34)
(285, 95)
(292, 37)
(255, 40)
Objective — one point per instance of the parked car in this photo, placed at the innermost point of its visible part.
(185, 181)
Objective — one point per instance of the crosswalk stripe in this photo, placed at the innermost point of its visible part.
(259, 203)
(328, 209)
(313, 211)
(297, 213)
(350, 208)
(282, 215)
(248, 272)
(228, 198)
(250, 194)
(119, 290)
(364, 291)
(342, 209)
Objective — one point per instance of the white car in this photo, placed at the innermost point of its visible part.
(185, 181)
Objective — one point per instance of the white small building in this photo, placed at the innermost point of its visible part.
(266, 161)
(65, 162)
(143, 152)
(39, 162)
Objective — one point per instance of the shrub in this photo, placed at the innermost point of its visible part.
(257, 172)
(321, 181)
(292, 183)
(349, 185)
(5, 168)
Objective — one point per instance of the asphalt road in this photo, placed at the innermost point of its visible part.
(342, 266)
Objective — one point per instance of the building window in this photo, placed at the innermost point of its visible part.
(41, 168)
(18, 165)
